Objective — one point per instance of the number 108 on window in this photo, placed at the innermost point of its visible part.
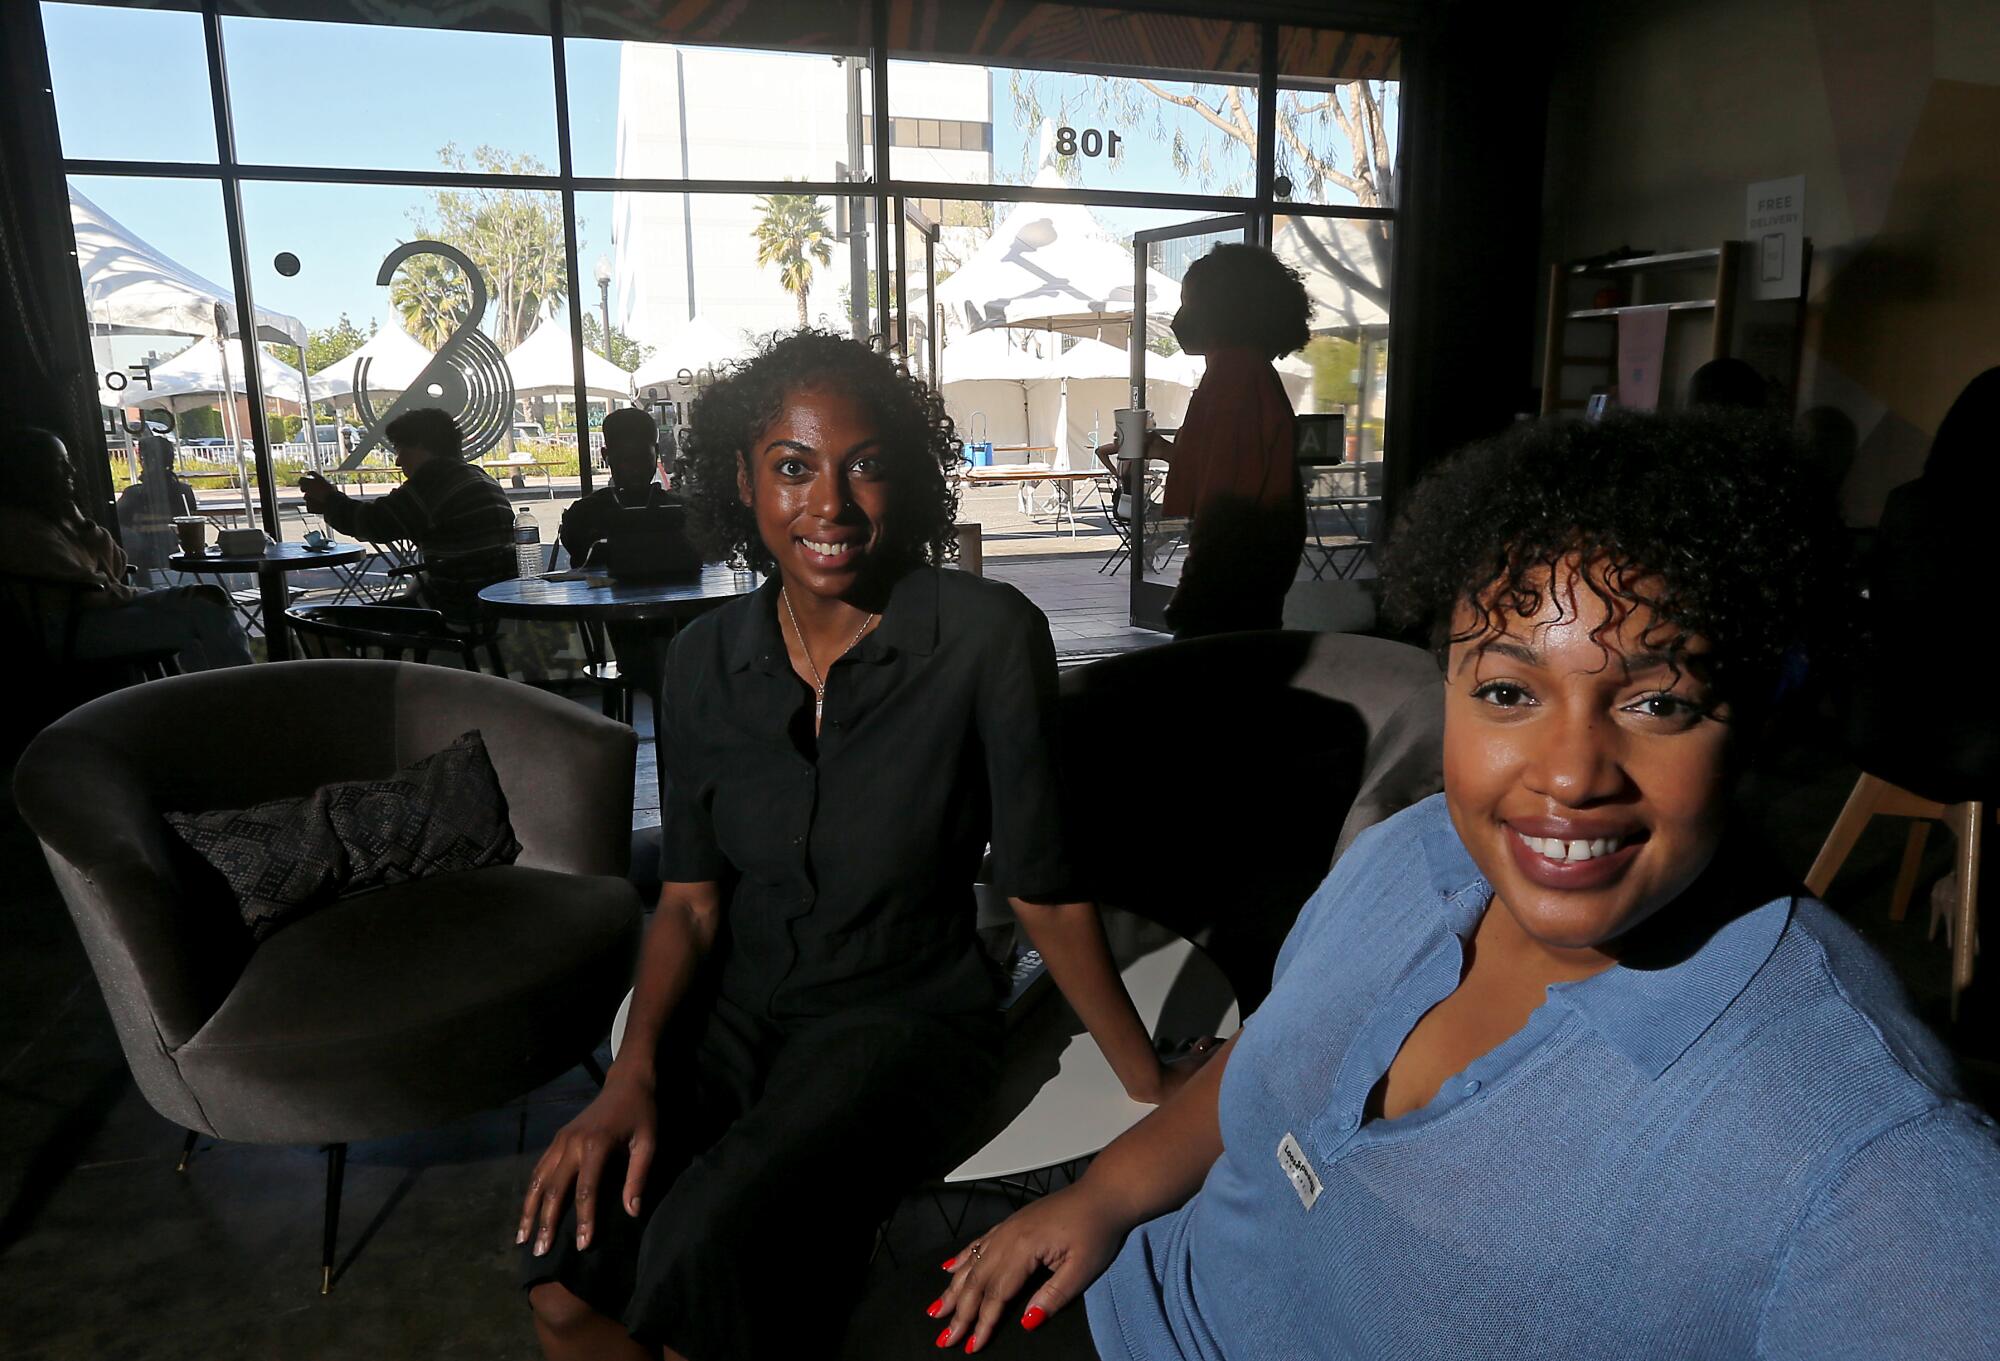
(1088, 142)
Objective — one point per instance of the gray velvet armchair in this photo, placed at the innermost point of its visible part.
(380, 1014)
(1211, 783)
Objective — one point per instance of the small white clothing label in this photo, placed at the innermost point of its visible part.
(1298, 1170)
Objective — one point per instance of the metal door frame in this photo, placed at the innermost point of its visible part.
(1149, 598)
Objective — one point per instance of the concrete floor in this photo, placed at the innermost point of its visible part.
(106, 1251)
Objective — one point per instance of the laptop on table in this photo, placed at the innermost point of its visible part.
(650, 543)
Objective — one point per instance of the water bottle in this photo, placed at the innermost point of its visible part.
(527, 545)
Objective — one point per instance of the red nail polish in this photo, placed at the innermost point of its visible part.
(944, 1338)
(950, 1264)
(936, 1305)
(1033, 1318)
(968, 1346)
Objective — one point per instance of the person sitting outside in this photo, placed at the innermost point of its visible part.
(147, 509)
(1554, 1064)
(45, 534)
(631, 452)
(458, 517)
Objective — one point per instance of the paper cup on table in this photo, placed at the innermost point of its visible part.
(192, 531)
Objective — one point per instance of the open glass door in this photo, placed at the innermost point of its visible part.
(915, 336)
(1163, 378)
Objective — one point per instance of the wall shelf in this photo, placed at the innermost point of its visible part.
(1706, 257)
(1604, 313)
(1572, 281)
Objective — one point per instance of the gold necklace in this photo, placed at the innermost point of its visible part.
(819, 681)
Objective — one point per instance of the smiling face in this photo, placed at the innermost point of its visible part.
(1585, 776)
(817, 481)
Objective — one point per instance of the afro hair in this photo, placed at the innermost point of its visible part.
(1711, 518)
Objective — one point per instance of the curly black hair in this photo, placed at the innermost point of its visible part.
(919, 445)
(1712, 518)
(1244, 295)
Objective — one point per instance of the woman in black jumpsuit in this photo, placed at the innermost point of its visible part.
(813, 1027)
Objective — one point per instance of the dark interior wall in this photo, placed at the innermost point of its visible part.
(1663, 114)
(1470, 230)
(45, 377)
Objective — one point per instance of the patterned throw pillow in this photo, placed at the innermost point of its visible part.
(289, 857)
(443, 814)
(281, 859)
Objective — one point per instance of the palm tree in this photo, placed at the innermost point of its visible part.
(792, 234)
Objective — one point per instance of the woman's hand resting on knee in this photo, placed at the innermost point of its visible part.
(1148, 1170)
(622, 1117)
(1071, 1232)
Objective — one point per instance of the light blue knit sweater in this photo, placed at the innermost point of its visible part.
(1753, 1152)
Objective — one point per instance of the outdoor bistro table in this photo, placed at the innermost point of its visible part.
(594, 599)
(1024, 476)
(270, 567)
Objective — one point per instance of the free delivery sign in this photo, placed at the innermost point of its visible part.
(1776, 227)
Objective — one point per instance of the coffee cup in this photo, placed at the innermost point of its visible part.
(192, 531)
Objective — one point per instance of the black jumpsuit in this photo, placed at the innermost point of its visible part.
(846, 1036)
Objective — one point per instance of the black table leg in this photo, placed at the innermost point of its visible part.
(277, 645)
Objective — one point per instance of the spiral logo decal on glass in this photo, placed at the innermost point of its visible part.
(468, 376)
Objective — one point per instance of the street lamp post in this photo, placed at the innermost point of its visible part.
(604, 300)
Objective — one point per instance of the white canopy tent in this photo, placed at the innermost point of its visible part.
(1343, 274)
(699, 344)
(130, 287)
(986, 379)
(205, 369)
(388, 362)
(543, 365)
(1052, 267)
(1092, 381)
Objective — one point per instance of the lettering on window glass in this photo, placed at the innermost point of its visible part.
(1088, 142)
(115, 380)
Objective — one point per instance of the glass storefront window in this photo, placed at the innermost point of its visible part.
(1339, 121)
(153, 261)
(319, 251)
(390, 98)
(1044, 386)
(111, 101)
(652, 110)
(1346, 264)
(686, 285)
(669, 287)
(1067, 96)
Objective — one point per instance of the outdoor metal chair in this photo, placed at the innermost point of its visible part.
(476, 629)
(1119, 505)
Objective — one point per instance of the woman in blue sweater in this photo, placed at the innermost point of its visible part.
(1553, 1066)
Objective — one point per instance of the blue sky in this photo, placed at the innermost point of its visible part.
(350, 95)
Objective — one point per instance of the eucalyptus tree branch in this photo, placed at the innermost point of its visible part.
(1190, 102)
